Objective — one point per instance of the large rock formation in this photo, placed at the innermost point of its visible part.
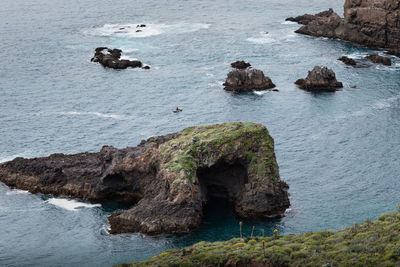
(319, 79)
(110, 58)
(247, 80)
(167, 179)
(374, 23)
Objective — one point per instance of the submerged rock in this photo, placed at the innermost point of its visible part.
(348, 61)
(167, 179)
(366, 22)
(247, 80)
(377, 59)
(319, 79)
(110, 58)
(240, 65)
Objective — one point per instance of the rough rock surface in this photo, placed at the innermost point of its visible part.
(348, 61)
(307, 18)
(374, 23)
(240, 65)
(167, 179)
(377, 59)
(110, 58)
(247, 80)
(320, 79)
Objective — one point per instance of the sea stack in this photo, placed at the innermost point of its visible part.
(244, 79)
(319, 79)
(168, 179)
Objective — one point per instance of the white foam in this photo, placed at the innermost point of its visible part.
(132, 31)
(70, 204)
(287, 22)
(265, 39)
(259, 92)
(16, 192)
(97, 114)
(284, 35)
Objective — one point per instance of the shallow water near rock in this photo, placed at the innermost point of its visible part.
(339, 152)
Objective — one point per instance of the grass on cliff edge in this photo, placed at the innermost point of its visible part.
(368, 244)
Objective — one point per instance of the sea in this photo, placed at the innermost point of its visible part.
(338, 151)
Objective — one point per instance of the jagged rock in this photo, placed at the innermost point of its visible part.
(167, 179)
(247, 80)
(307, 18)
(377, 59)
(240, 65)
(348, 61)
(319, 79)
(366, 22)
(110, 58)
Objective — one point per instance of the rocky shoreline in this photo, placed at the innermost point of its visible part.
(366, 22)
(166, 179)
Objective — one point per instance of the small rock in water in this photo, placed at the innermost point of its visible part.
(319, 79)
(110, 58)
(240, 65)
(348, 61)
(377, 59)
(146, 67)
(138, 31)
(247, 80)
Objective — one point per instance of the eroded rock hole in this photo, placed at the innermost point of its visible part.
(117, 189)
(222, 181)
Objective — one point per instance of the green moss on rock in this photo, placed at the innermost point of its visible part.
(198, 146)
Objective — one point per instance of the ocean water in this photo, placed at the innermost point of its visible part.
(339, 152)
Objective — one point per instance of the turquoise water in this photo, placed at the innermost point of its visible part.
(339, 152)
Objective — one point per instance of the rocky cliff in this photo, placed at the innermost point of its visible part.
(373, 23)
(166, 179)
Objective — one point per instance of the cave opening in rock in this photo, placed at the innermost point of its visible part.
(222, 182)
(117, 190)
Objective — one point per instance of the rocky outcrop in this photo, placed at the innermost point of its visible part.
(167, 179)
(307, 18)
(320, 79)
(373, 23)
(247, 80)
(348, 61)
(240, 65)
(377, 59)
(110, 58)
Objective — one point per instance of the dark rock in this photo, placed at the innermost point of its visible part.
(168, 179)
(247, 80)
(275, 90)
(307, 18)
(366, 22)
(141, 26)
(394, 52)
(146, 67)
(320, 79)
(240, 65)
(138, 30)
(377, 59)
(348, 61)
(110, 58)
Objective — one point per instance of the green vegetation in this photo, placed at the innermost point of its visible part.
(201, 146)
(368, 244)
